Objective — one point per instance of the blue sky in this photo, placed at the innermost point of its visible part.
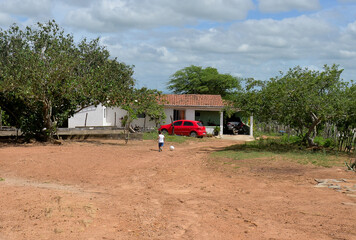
(245, 38)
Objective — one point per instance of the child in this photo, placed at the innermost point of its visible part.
(160, 141)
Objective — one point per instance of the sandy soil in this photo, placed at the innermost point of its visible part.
(104, 189)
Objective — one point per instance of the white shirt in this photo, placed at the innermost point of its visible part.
(161, 138)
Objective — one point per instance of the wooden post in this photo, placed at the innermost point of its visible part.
(144, 124)
(115, 120)
(172, 125)
(251, 126)
(0, 118)
(221, 123)
(86, 118)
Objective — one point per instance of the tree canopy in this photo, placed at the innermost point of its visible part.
(198, 80)
(143, 101)
(45, 76)
(301, 98)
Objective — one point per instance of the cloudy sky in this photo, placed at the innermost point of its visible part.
(246, 38)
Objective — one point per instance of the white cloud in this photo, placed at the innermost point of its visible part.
(347, 54)
(351, 27)
(28, 8)
(258, 40)
(79, 3)
(6, 19)
(274, 6)
(111, 15)
(218, 10)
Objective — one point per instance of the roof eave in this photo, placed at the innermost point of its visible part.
(193, 106)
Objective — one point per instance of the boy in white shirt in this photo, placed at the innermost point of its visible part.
(160, 141)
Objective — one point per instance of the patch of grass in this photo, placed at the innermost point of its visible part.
(271, 134)
(281, 149)
(2, 179)
(169, 138)
(318, 159)
(150, 136)
(241, 155)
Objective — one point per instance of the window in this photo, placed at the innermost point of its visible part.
(188, 124)
(179, 123)
(178, 115)
(141, 115)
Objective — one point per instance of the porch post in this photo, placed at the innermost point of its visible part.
(221, 123)
(251, 125)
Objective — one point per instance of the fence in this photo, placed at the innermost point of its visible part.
(345, 140)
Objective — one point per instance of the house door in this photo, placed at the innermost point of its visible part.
(178, 115)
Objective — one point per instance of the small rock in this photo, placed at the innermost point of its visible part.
(335, 187)
(321, 185)
(349, 203)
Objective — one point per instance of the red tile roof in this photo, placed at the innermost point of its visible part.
(193, 100)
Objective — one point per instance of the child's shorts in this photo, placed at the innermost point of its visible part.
(160, 144)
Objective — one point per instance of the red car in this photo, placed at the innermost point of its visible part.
(185, 127)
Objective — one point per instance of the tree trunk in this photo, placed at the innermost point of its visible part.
(307, 136)
(48, 124)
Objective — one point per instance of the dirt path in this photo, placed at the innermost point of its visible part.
(108, 190)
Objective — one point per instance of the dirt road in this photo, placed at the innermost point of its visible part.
(108, 190)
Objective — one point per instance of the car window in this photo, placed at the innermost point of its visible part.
(199, 124)
(178, 123)
(188, 124)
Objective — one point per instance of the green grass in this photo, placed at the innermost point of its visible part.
(242, 155)
(169, 138)
(280, 149)
(2, 179)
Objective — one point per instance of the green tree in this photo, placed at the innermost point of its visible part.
(197, 80)
(345, 121)
(301, 98)
(150, 104)
(142, 101)
(45, 76)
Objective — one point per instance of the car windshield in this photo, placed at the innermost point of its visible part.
(200, 124)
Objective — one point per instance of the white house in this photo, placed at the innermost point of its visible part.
(205, 108)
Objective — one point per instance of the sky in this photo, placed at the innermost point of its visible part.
(245, 38)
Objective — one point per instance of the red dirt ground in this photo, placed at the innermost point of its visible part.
(104, 189)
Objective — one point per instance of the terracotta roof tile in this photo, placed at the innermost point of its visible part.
(190, 100)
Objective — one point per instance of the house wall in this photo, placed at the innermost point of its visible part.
(95, 117)
(102, 116)
(190, 114)
(111, 114)
(169, 113)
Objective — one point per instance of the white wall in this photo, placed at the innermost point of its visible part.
(95, 117)
(169, 113)
(110, 119)
(190, 114)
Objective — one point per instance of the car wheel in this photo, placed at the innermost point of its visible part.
(235, 131)
(193, 134)
(164, 131)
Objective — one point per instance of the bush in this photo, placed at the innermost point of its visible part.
(325, 142)
(216, 130)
